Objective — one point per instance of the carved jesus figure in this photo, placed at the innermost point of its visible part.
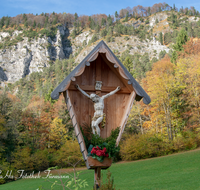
(98, 107)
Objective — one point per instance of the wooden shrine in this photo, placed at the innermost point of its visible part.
(100, 73)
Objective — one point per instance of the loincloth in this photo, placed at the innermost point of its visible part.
(103, 123)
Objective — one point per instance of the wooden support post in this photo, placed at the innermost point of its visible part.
(97, 177)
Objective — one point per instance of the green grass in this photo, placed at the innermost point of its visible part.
(174, 172)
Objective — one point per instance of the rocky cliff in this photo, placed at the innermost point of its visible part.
(33, 54)
(29, 56)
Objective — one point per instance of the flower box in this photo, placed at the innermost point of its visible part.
(93, 163)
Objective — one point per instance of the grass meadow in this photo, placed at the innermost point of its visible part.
(174, 172)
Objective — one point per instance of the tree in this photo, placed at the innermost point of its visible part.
(110, 31)
(116, 15)
(2, 22)
(75, 16)
(190, 30)
(24, 17)
(104, 33)
(162, 54)
(161, 38)
(161, 85)
(10, 116)
(156, 21)
(128, 64)
(94, 39)
(58, 133)
(109, 20)
(55, 20)
(127, 15)
(180, 41)
(103, 22)
(149, 11)
(7, 21)
(26, 24)
(34, 24)
(46, 21)
(2, 135)
(97, 28)
(167, 38)
(188, 72)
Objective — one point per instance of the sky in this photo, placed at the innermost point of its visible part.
(87, 7)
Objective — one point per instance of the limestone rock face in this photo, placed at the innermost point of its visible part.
(30, 56)
(159, 17)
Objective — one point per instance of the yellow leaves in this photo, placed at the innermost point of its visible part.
(68, 154)
(147, 125)
(58, 133)
(160, 80)
(173, 89)
(188, 72)
(22, 159)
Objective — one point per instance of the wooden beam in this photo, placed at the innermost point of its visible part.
(98, 72)
(105, 89)
(125, 116)
(78, 132)
(97, 177)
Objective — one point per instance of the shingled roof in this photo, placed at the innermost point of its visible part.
(140, 93)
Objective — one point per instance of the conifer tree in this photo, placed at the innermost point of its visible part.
(116, 15)
(182, 38)
(161, 38)
(34, 24)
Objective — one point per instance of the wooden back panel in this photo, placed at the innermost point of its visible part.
(114, 106)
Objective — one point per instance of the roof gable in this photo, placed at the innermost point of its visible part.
(102, 48)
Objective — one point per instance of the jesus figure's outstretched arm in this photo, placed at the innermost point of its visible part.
(83, 92)
(111, 93)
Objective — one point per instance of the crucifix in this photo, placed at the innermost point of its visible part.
(98, 107)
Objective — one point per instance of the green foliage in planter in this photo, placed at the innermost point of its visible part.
(93, 140)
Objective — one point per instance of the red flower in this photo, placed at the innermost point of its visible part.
(93, 150)
(97, 150)
(98, 153)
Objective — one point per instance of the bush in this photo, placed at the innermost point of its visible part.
(147, 21)
(50, 32)
(4, 167)
(68, 153)
(141, 146)
(112, 39)
(141, 19)
(126, 38)
(108, 39)
(22, 160)
(40, 160)
(146, 146)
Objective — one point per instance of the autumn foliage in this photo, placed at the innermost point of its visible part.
(36, 137)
